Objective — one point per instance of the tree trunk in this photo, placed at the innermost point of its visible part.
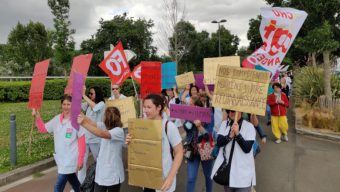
(314, 59)
(327, 78)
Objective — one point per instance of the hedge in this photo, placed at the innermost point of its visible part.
(18, 90)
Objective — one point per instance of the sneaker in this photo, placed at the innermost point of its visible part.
(269, 123)
(285, 138)
(278, 141)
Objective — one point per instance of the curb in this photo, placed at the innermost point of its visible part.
(25, 171)
(330, 137)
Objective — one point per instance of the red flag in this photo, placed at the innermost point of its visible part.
(81, 64)
(116, 66)
(38, 84)
(151, 78)
(136, 74)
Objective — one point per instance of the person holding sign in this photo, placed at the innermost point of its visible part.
(278, 103)
(94, 109)
(190, 90)
(234, 166)
(153, 106)
(109, 167)
(116, 93)
(69, 145)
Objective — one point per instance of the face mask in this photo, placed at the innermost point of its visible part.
(188, 125)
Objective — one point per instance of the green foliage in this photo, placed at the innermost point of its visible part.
(253, 34)
(135, 35)
(54, 89)
(309, 85)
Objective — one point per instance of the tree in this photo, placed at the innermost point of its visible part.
(27, 45)
(135, 35)
(253, 34)
(64, 43)
(229, 42)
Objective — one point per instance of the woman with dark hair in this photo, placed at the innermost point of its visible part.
(69, 145)
(94, 109)
(153, 106)
(190, 90)
(109, 167)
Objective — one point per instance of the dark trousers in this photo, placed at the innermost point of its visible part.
(112, 188)
(149, 190)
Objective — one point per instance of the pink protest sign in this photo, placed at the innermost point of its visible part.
(190, 113)
(199, 82)
(77, 90)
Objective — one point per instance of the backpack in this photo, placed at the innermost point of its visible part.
(166, 132)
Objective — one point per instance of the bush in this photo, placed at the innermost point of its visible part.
(54, 89)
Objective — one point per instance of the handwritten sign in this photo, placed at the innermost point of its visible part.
(169, 72)
(185, 79)
(126, 107)
(78, 81)
(210, 66)
(151, 78)
(240, 89)
(190, 113)
(38, 84)
(146, 142)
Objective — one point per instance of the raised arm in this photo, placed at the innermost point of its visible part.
(92, 127)
(38, 121)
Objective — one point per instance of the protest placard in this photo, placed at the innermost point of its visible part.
(240, 89)
(38, 84)
(126, 107)
(185, 79)
(77, 96)
(190, 113)
(199, 78)
(169, 72)
(145, 153)
(151, 78)
(210, 66)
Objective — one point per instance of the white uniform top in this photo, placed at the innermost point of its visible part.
(174, 138)
(121, 96)
(109, 168)
(96, 114)
(218, 116)
(65, 143)
(242, 171)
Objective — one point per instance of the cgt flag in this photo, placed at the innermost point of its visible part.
(116, 66)
(279, 27)
(136, 74)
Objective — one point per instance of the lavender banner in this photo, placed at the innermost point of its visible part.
(190, 113)
(199, 82)
(77, 91)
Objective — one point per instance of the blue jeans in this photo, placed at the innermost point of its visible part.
(269, 115)
(63, 178)
(192, 171)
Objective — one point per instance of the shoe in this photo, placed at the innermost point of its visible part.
(269, 123)
(278, 141)
(285, 138)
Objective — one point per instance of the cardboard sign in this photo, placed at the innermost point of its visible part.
(151, 78)
(199, 82)
(38, 84)
(126, 108)
(145, 153)
(243, 90)
(116, 66)
(169, 72)
(185, 79)
(81, 64)
(210, 66)
(77, 95)
(279, 27)
(136, 74)
(190, 113)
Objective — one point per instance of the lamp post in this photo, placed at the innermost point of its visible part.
(219, 35)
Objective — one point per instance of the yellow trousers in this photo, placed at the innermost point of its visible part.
(279, 126)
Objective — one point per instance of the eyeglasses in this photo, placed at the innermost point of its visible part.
(115, 88)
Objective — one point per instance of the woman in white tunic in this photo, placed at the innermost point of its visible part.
(152, 107)
(109, 168)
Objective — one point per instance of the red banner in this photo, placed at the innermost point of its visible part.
(81, 64)
(136, 74)
(151, 78)
(38, 84)
(116, 66)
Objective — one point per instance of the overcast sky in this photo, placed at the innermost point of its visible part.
(85, 14)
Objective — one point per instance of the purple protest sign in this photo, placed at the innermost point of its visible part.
(199, 82)
(190, 113)
(77, 94)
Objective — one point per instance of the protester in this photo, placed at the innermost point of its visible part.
(153, 105)
(195, 133)
(270, 91)
(69, 145)
(109, 168)
(285, 88)
(116, 93)
(235, 140)
(278, 103)
(94, 107)
(191, 90)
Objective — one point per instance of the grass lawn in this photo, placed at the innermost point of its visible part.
(42, 144)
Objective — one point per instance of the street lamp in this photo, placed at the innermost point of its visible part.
(219, 35)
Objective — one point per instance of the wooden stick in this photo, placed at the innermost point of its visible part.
(31, 137)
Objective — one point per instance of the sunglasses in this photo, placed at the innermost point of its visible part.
(115, 88)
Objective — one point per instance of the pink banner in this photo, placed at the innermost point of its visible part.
(77, 94)
(190, 113)
(199, 82)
